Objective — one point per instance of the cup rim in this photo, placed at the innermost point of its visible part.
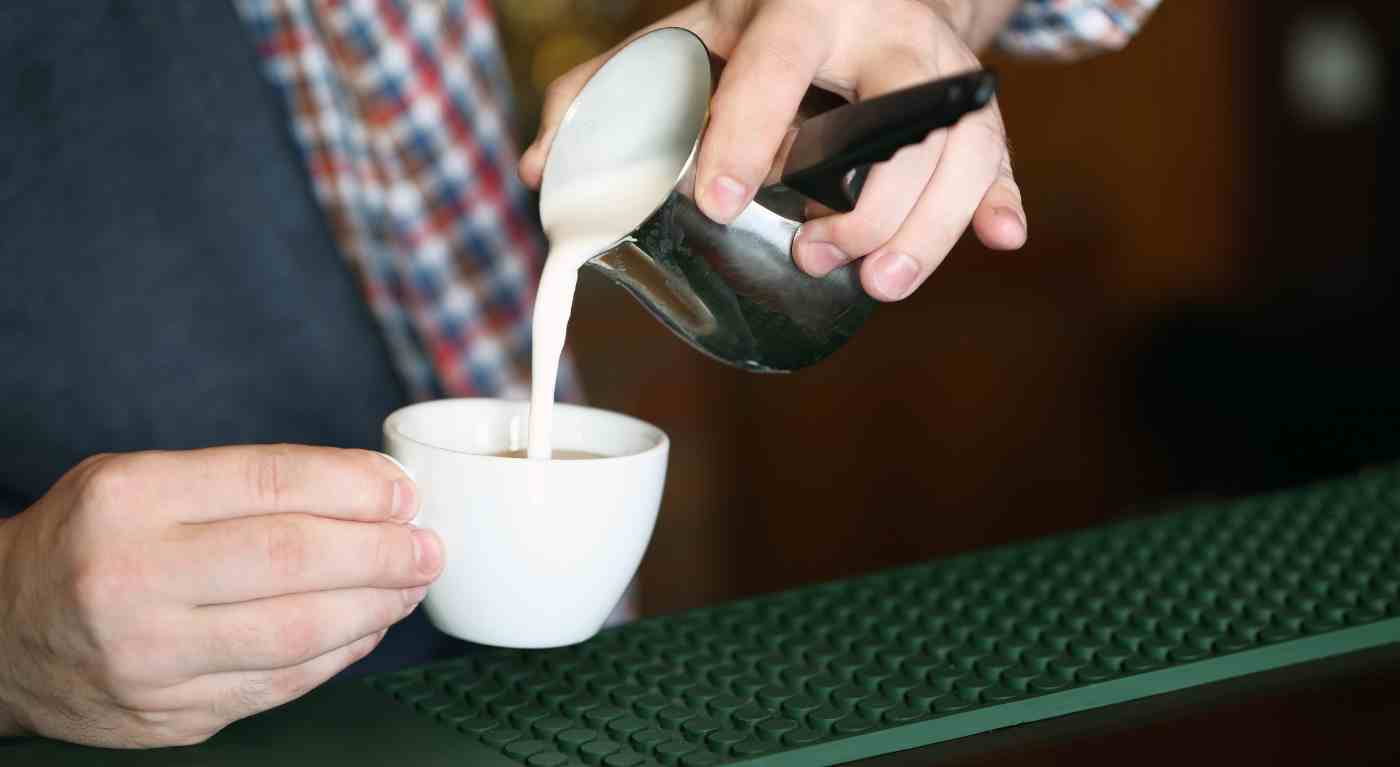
(391, 425)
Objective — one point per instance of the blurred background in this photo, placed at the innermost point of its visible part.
(1207, 306)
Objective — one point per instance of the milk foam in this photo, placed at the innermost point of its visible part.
(582, 220)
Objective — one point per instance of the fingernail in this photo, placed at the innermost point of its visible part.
(427, 552)
(820, 258)
(894, 275)
(411, 597)
(405, 504)
(725, 199)
(1013, 215)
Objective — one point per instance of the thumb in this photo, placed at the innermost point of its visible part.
(1000, 220)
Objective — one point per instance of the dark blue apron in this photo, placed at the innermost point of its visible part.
(166, 277)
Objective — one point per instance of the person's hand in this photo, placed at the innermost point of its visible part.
(914, 208)
(150, 599)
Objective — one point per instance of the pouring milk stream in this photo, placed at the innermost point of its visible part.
(609, 169)
(582, 220)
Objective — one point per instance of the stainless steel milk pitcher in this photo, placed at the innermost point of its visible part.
(733, 292)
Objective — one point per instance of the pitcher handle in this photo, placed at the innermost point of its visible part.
(832, 152)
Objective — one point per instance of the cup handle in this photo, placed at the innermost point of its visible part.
(832, 153)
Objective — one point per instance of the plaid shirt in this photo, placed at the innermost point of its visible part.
(400, 109)
(1074, 28)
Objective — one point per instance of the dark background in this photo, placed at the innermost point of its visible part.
(1207, 306)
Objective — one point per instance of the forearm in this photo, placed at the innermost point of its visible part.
(977, 22)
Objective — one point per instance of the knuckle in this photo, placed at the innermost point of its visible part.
(863, 233)
(150, 720)
(912, 58)
(792, 49)
(93, 582)
(90, 464)
(89, 605)
(124, 668)
(291, 683)
(285, 547)
(915, 31)
(140, 700)
(108, 482)
(266, 475)
(394, 609)
(299, 638)
(393, 554)
(391, 608)
(255, 693)
(102, 582)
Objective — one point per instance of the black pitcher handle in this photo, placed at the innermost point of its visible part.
(832, 152)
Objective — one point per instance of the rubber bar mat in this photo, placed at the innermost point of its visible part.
(853, 669)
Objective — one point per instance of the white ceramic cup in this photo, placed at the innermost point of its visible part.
(538, 552)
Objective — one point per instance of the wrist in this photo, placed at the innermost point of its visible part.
(9, 723)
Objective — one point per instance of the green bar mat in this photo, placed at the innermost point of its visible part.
(897, 660)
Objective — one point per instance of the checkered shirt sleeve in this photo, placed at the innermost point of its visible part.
(401, 111)
(1070, 29)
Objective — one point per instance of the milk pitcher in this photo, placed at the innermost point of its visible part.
(733, 292)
